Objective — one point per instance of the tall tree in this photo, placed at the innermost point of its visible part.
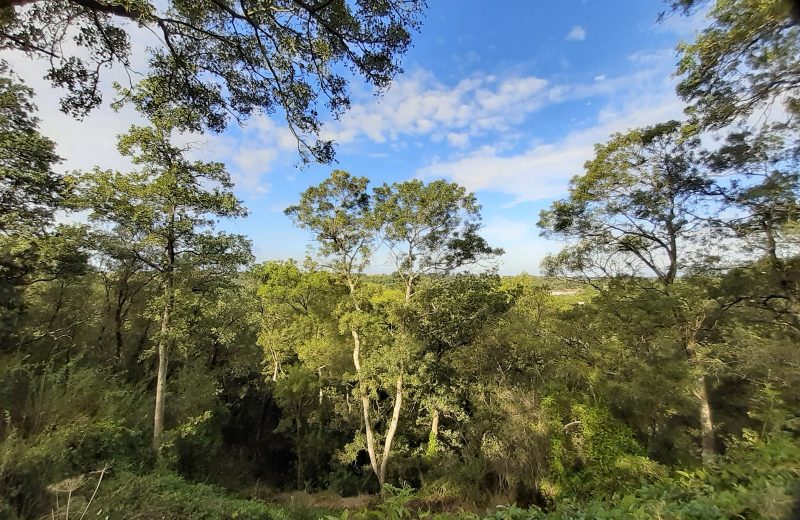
(219, 58)
(166, 211)
(633, 207)
(30, 193)
(428, 229)
(338, 212)
(632, 213)
(757, 180)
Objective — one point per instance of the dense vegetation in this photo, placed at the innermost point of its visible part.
(149, 369)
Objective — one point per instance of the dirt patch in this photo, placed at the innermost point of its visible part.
(324, 500)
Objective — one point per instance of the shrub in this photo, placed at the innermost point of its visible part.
(164, 495)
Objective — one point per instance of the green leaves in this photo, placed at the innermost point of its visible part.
(633, 208)
(169, 199)
(430, 228)
(220, 59)
(745, 59)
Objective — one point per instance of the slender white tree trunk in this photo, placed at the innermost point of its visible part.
(161, 378)
(387, 446)
(706, 420)
(163, 341)
(373, 456)
(433, 436)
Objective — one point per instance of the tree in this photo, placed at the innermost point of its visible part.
(631, 214)
(293, 304)
(166, 211)
(746, 59)
(448, 314)
(30, 189)
(219, 58)
(339, 214)
(429, 229)
(758, 186)
(632, 208)
(30, 192)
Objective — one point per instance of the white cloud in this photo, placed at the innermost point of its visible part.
(543, 170)
(93, 141)
(576, 34)
(420, 105)
(458, 140)
(249, 152)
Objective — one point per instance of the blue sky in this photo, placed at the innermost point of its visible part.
(506, 98)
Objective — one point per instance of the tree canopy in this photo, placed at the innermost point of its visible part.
(219, 59)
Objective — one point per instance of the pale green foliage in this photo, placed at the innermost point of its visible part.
(167, 200)
(430, 228)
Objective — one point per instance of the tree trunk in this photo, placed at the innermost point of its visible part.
(163, 340)
(373, 456)
(708, 441)
(118, 332)
(433, 436)
(161, 380)
(299, 453)
(387, 445)
(706, 421)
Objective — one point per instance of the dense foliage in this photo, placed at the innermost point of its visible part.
(149, 369)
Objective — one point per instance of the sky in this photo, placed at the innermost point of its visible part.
(505, 98)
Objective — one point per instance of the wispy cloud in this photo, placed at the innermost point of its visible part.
(576, 34)
(251, 153)
(542, 171)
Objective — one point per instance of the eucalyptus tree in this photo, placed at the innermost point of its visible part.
(338, 212)
(429, 229)
(746, 59)
(634, 213)
(426, 229)
(165, 210)
(218, 58)
(634, 207)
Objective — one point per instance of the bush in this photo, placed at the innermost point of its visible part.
(29, 466)
(164, 495)
(755, 480)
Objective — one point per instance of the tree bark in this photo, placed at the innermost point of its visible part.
(161, 380)
(118, 329)
(433, 436)
(373, 456)
(387, 445)
(709, 446)
(163, 340)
